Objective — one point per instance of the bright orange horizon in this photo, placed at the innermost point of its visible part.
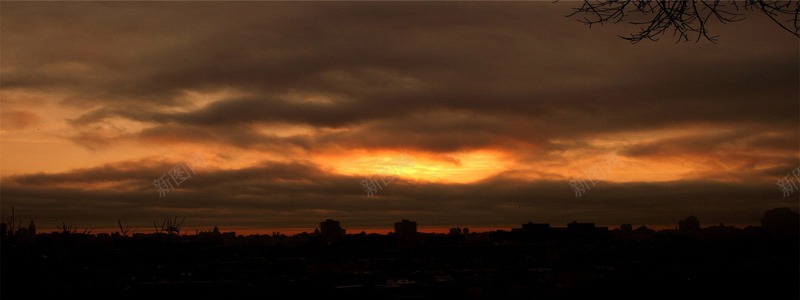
(383, 231)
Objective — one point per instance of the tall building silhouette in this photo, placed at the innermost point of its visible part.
(406, 232)
(330, 231)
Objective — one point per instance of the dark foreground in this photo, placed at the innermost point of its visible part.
(676, 267)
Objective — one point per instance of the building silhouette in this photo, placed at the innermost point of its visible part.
(455, 231)
(781, 221)
(689, 225)
(216, 236)
(25, 233)
(625, 231)
(642, 233)
(586, 231)
(406, 233)
(330, 231)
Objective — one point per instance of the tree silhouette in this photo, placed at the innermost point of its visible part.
(12, 228)
(125, 231)
(69, 229)
(169, 226)
(684, 18)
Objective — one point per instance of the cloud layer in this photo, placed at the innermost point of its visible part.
(293, 104)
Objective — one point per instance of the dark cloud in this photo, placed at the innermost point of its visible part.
(732, 141)
(389, 60)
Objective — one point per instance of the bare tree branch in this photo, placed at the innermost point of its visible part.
(169, 226)
(70, 229)
(125, 230)
(685, 18)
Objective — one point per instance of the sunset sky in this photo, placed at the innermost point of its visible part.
(292, 105)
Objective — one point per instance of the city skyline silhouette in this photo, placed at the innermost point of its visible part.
(400, 149)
